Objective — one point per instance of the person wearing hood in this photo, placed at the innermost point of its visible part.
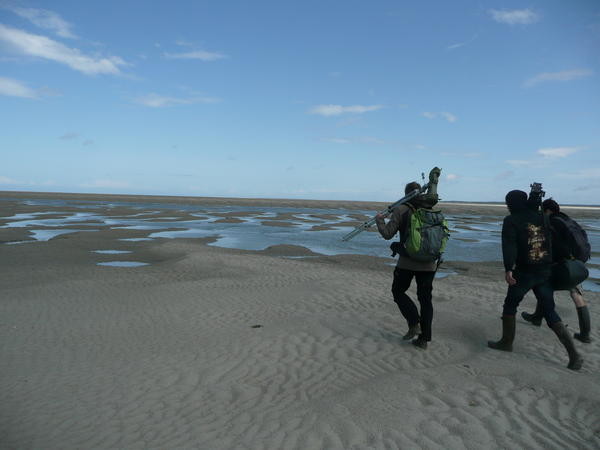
(560, 252)
(527, 257)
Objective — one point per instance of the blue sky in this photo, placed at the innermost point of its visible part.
(306, 99)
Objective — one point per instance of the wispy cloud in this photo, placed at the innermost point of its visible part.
(45, 19)
(15, 88)
(452, 177)
(444, 115)
(42, 47)
(504, 175)
(69, 136)
(462, 155)
(202, 55)
(514, 16)
(461, 44)
(590, 172)
(557, 152)
(336, 110)
(158, 101)
(565, 75)
(108, 184)
(333, 140)
(521, 162)
(369, 140)
(7, 180)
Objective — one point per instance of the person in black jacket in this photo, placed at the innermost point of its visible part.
(527, 255)
(560, 252)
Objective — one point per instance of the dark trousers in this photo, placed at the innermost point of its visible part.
(402, 280)
(540, 283)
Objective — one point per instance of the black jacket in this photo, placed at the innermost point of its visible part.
(526, 241)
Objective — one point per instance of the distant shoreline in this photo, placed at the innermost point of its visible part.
(454, 206)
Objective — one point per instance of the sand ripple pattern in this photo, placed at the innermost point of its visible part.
(167, 357)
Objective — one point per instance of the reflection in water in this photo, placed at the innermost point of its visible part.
(477, 238)
(122, 264)
(46, 235)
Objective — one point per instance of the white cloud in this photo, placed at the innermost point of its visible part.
(520, 162)
(557, 152)
(445, 115)
(451, 176)
(7, 180)
(462, 155)
(336, 110)
(565, 75)
(337, 140)
(515, 16)
(46, 48)
(14, 88)
(461, 44)
(458, 45)
(69, 136)
(110, 184)
(157, 101)
(202, 55)
(449, 117)
(592, 172)
(369, 140)
(48, 20)
(504, 175)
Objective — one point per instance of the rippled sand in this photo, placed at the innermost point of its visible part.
(171, 355)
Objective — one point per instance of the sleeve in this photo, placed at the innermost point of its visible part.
(388, 230)
(509, 244)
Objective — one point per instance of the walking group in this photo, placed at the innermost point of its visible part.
(543, 250)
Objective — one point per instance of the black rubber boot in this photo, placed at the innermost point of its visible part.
(508, 335)
(420, 343)
(412, 332)
(536, 317)
(575, 359)
(584, 325)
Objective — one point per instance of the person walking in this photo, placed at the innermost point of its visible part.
(560, 252)
(419, 324)
(527, 257)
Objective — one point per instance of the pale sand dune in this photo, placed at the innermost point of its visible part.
(166, 357)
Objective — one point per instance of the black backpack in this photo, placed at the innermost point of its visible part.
(578, 242)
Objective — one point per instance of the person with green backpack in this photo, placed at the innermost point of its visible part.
(423, 236)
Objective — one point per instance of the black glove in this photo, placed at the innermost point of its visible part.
(395, 248)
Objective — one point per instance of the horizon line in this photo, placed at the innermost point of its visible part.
(212, 198)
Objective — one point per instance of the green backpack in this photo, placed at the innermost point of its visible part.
(426, 234)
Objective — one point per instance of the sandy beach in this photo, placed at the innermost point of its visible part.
(216, 348)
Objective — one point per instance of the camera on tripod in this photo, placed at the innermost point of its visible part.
(535, 196)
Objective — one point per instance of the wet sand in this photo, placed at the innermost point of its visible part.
(217, 348)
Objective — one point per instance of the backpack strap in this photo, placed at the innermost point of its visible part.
(406, 223)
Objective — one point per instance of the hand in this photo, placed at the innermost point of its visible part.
(509, 278)
(434, 175)
(379, 216)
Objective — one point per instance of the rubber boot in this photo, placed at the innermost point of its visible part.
(412, 332)
(575, 359)
(508, 335)
(584, 325)
(536, 317)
